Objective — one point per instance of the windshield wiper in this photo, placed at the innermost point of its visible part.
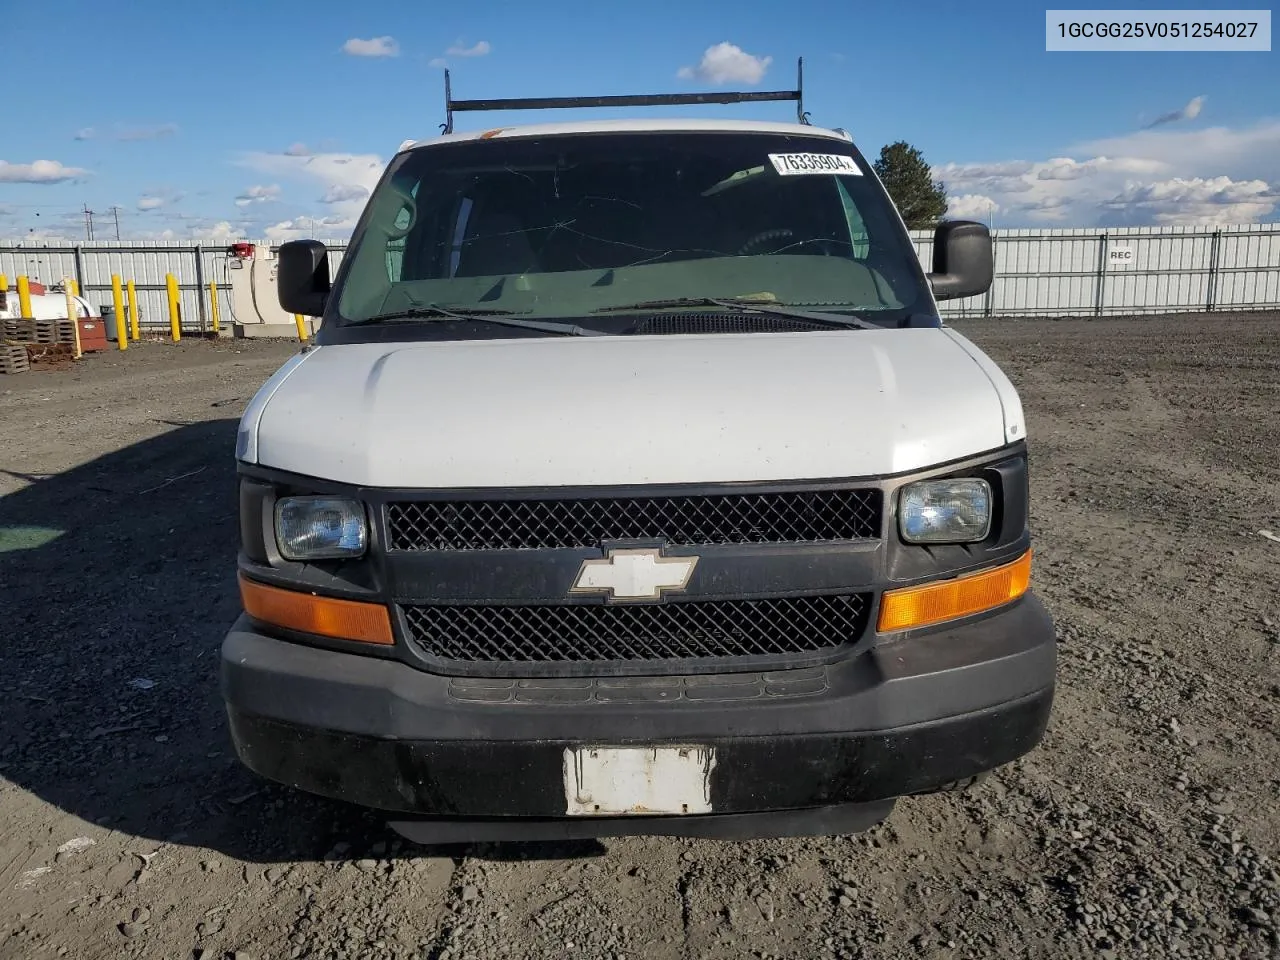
(482, 315)
(749, 304)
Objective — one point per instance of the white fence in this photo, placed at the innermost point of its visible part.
(1068, 272)
(1131, 270)
(92, 265)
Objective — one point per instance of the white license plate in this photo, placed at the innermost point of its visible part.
(620, 781)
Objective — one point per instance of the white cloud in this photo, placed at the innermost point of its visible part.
(1198, 200)
(727, 63)
(342, 192)
(298, 150)
(1246, 153)
(258, 194)
(47, 232)
(221, 232)
(347, 179)
(1019, 176)
(194, 230)
(361, 169)
(1152, 176)
(85, 133)
(157, 198)
(992, 171)
(1063, 168)
(301, 228)
(1046, 209)
(971, 206)
(1188, 112)
(374, 47)
(39, 171)
(479, 49)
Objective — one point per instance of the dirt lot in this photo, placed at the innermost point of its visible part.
(1147, 824)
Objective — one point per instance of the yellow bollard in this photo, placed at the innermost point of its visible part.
(73, 287)
(213, 303)
(4, 283)
(302, 327)
(73, 314)
(133, 310)
(117, 300)
(175, 306)
(24, 298)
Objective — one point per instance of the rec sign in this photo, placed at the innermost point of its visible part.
(1120, 256)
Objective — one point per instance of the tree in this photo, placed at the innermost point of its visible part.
(920, 199)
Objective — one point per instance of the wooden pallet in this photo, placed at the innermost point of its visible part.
(54, 331)
(20, 330)
(38, 331)
(14, 360)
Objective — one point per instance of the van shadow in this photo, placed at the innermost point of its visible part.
(117, 584)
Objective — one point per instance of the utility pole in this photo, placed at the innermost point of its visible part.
(88, 223)
(116, 212)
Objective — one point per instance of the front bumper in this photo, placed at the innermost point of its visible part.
(906, 717)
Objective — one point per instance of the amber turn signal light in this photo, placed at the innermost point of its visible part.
(936, 602)
(323, 616)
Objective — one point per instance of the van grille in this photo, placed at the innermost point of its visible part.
(735, 518)
(596, 633)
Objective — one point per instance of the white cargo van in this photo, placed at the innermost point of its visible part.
(633, 485)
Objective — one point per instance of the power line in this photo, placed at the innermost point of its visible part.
(121, 213)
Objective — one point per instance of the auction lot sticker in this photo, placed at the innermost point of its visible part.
(795, 164)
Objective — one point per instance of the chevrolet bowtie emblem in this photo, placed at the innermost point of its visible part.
(634, 574)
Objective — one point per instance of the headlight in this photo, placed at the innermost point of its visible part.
(945, 511)
(320, 528)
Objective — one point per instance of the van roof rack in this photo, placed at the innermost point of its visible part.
(452, 106)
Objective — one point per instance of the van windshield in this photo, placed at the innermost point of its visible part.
(571, 226)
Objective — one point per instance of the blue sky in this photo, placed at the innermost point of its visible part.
(252, 119)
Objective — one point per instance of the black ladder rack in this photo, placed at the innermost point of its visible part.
(452, 106)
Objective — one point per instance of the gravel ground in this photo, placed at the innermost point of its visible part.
(1146, 824)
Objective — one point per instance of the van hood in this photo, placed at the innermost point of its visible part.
(561, 411)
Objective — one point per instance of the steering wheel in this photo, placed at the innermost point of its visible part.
(761, 237)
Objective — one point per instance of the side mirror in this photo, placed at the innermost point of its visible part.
(963, 264)
(302, 277)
